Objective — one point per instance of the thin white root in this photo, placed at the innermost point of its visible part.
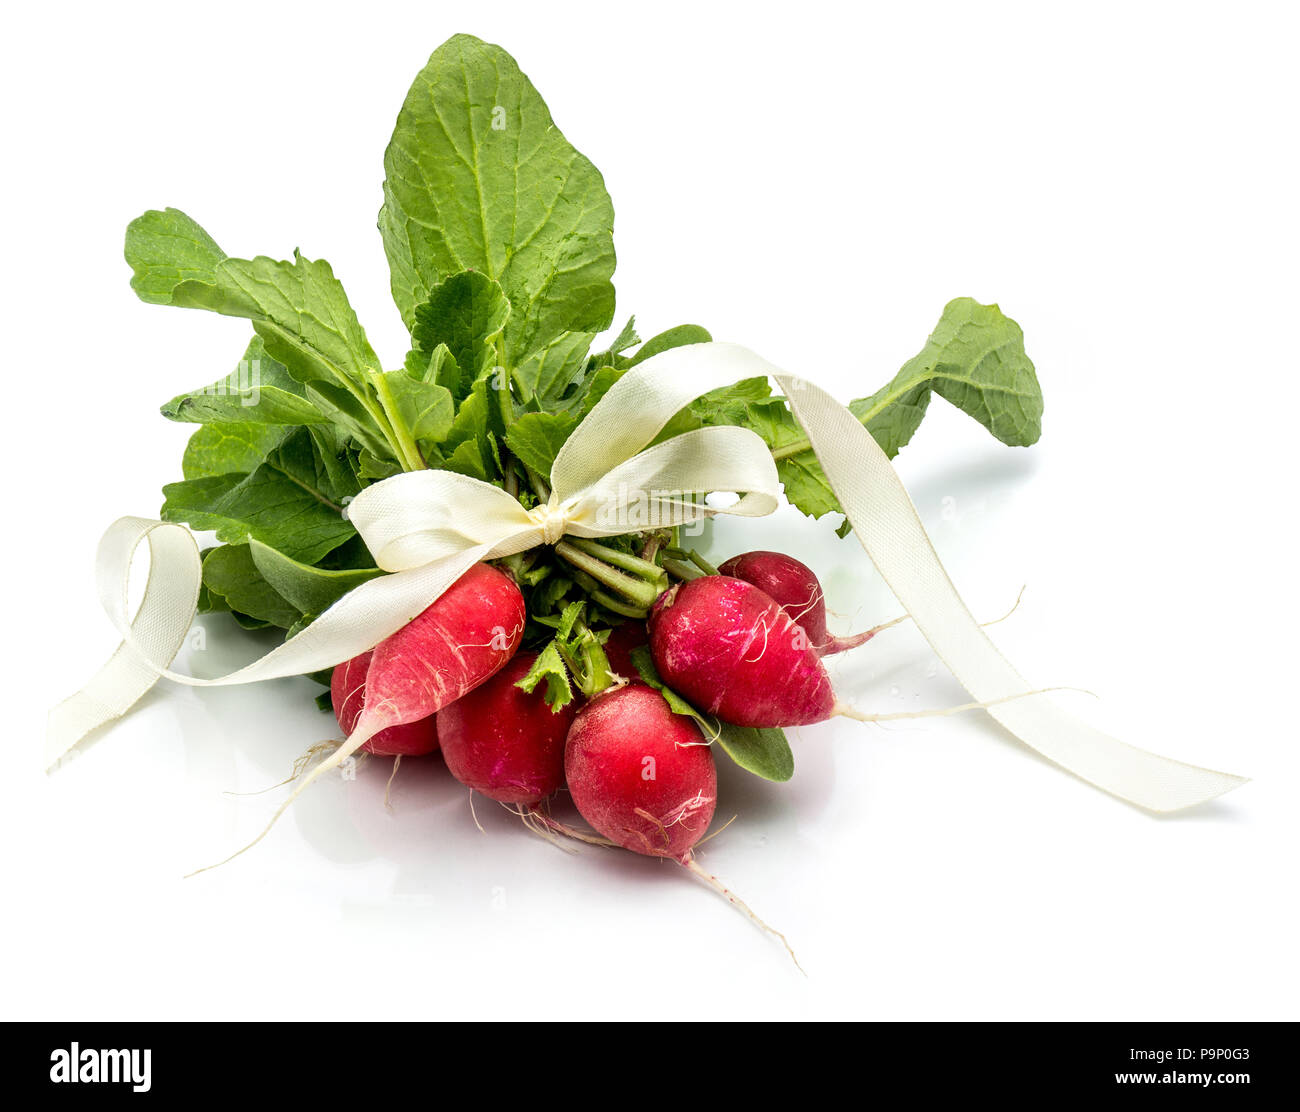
(861, 716)
(1014, 607)
(554, 825)
(532, 824)
(716, 832)
(889, 625)
(862, 638)
(298, 765)
(388, 788)
(345, 750)
(474, 814)
(691, 865)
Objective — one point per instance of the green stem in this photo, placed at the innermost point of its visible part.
(643, 569)
(583, 580)
(653, 544)
(510, 479)
(681, 570)
(408, 453)
(538, 484)
(609, 602)
(585, 658)
(701, 563)
(636, 591)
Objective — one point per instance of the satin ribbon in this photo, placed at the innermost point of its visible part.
(428, 527)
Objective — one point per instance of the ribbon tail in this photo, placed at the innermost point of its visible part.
(889, 529)
(166, 612)
(152, 638)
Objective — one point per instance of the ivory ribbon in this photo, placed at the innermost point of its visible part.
(428, 528)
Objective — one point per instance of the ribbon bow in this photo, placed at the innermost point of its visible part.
(427, 528)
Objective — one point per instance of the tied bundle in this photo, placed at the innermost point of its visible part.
(511, 490)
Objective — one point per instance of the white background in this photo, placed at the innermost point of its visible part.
(815, 182)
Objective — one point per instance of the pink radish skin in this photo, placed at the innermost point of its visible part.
(639, 774)
(794, 587)
(729, 649)
(460, 641)
(505, 742)
(623, 639)
(347, 693)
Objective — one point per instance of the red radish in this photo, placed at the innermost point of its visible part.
(727, 647)
(795, 588)
(505, 742)
(347, 693)
(640, 774)
(444, 652)
(460, 640)
(623, 639)
(732, 651)
(644, 777)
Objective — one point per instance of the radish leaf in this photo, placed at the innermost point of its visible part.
(312, 590)
(258, 390)
(478, 177)
(467, 312)
(166, 248)
(229, 572)
(536, 438)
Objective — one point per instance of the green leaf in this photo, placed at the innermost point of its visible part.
(729, 405)
(288, 503)
(300, 311)
(468, 459)
(229, 571)
(546, 375)
(549, 666)
(599, 386)
(425, 408)
(333, 449)
(467, 448)
(892, 417)
(353, 555)
(680, 336)
(536, 439)
(347, 413)
(311, 590)
(764, 752)
(974, 358)
(568, 619)
(605, 376)
(626, 338)
(228, 449)
(259, 390)
(372, 468)
(166, 248)
(467, 312)
(478, 177)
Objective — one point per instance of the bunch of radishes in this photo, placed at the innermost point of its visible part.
(743, 645)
